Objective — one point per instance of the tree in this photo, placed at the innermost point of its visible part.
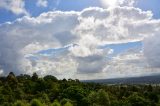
(68, 104)
(93, 98)
(103, 98)
(99, 98)
(19, 103)
(7, 104)
(75, 93)
(153, 97)
(64, 101)
(136, 100)
(56, 103)
(50, 78)
(36, 102)
(12, 80)
(44, 98)
(34, 77)
(149, 88)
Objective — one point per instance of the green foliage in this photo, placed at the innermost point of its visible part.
(19, 103)
(36, 102)
(50, 78)
(34, 77)
(136, 100)
(64, 101)
(56, 103)
(99, 98)
(74, 93)
(103, 98)
(68, 104)
(7, 104)
(26, 90)
(93, 97)
(43, 97)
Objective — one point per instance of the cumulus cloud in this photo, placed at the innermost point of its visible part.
(15, 6)
(151, 49)
(42, 3)
(130, 63)
(27, 33)
(89, 29)
(113, 24)
(113, 3)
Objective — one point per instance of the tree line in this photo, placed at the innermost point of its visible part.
(26, 90)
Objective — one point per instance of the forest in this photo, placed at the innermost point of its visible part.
(32, 90)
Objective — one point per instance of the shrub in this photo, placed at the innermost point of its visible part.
(56, 103)
(19, 103)
(36, 102)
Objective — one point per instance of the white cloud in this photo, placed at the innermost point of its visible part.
(42, 3)
(113, 24)
(151, 49)
(113, 3)
(89, 29)
(15, 6)
(131, 63)
(63, 67)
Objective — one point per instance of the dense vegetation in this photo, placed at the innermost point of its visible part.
(26, 90)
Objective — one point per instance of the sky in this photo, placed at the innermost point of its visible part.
(80, 39)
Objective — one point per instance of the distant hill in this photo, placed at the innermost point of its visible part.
(154, 79)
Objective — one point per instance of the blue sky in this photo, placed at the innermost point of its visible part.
(61, 5)
(39, 36)
(152, 5)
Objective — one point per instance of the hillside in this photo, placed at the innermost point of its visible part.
(154, 79)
